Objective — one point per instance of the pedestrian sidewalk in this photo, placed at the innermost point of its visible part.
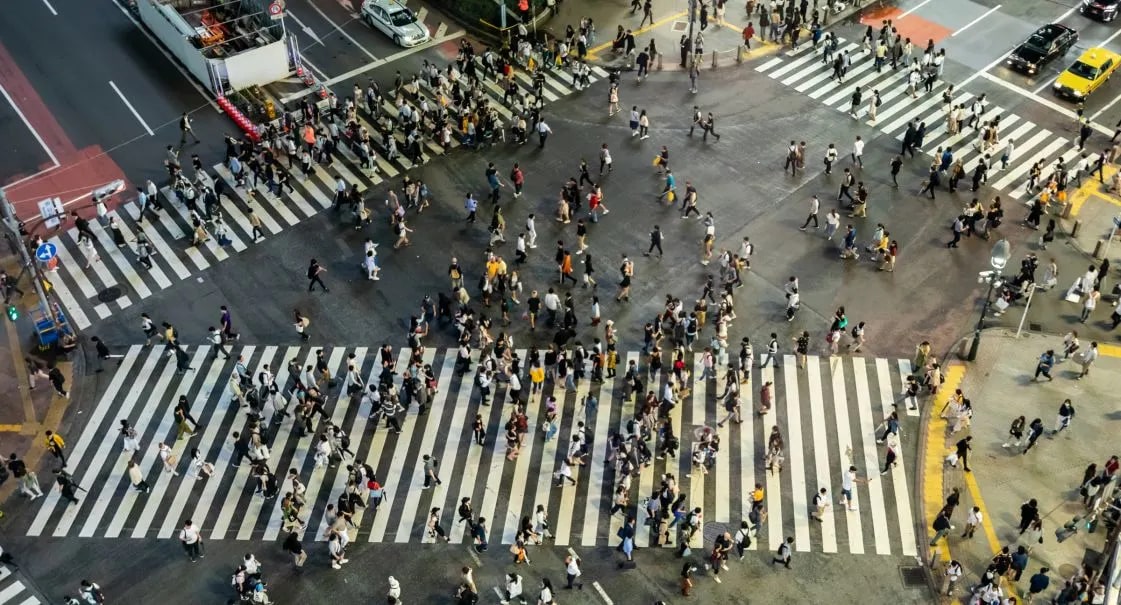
(1000, 387)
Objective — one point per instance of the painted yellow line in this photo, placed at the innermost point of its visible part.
(11, 428)
(1092, 189)
(595, 50)
(934, 456)
(1109, 350)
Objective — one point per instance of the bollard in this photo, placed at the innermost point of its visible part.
(1066, 210)
(659, 61)
(1074, 230)
(1099, 248)
(714, 59)
(739, 54)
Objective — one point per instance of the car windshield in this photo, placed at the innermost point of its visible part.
(402, 18)
(1083, 70)
(1038, 43)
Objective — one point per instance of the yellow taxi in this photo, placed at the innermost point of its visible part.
(1093, 68)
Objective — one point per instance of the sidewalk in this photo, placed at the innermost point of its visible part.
(999, 385)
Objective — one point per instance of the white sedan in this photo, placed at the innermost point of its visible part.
(395, 21)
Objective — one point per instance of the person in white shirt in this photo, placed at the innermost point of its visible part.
(335, 548)
(514, 589)
(167, 457)
(322, 452)
(858, 152)
(953, 574)
(192, 541)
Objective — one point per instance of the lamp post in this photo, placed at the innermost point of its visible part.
(998, 259)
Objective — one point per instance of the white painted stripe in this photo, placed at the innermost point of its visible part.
(899, 122)
(674, 466)
(791, 65)
(534, 409)
(994, 163)
(889, 110)
(978, 19)
(210, 244)
(452, 449)
(794, 456)
(110, 442)
(821, 452)
(411, 515)
(192, 253)
(911, 403)
(135, 113)
(993, 110)
(342, 169)
(131, 271)
(301, 203)
(252, 512)
(11, 591)
(774, 484)
(598, 467)
(154, 500)
(213, 418)
(408, 490)
(747, 446)
(549, 459)
(171, 199)
(1022, 161)
(558, 84)
(1043, 156)
(160, 248)
(615, 522)
(493, 483)
(563, 517)
(874, 80)
(27, 124)
(858, 75)
(769, 64)
(846, 455)
(899, 477)
(357, 433)
(225, 514)
(107, 403)
(71, 265)
(699, 395)
(723, 468)
(867, 430)
(73, 310)
(823, 74)
(317, 194)
(549, 95)
(103, 274)
(235, 193)
(645, 487)
(268, 200)
(599, 72)
(30, 601)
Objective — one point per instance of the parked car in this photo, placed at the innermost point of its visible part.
(1042, 47)
(395, 21)
(1090, 71)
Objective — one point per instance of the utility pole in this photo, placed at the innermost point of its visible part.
(12, 224)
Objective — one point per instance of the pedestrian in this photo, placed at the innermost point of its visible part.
(335, 549)
(1028, 512)
(136, 477)
(1044, 365)
(952, 575)
(293, 546)
(514, 589)
(1038, 582)
(1087, 359)
(314, 270)
(815, 206)
(572, 571)
(58, 381)
(430, 475)
(972, 521)
(1015, 433)
(28, 479)
(186, 127)
(1064, 417)
(66, 485)
(192, 541)
(543, 132)
(784, 552)
(301, 323)
(167, 457)
(55, 445)
(1035, 429)
(479, 534)
(941, 526)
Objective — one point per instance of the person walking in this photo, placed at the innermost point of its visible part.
(1028, 512)
(186, 128)
(66, 485)
(28, 479)
(815, 206)
(572, 571)
(301, 324)
(314, 271)
(1044, 365)
(430, 475)
(55, 445)
(1035, 429)
(784, 553)
(1064, 417)
(192, 541)
(58, 381)
(137, 478)
(1087, 359)
(218, 341)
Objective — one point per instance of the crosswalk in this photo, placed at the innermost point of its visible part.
(804, 70)
(13, 591)
(828, 413)
(119, 281)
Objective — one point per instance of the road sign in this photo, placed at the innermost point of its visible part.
(45, 252)
(51, 210)
(276, 11)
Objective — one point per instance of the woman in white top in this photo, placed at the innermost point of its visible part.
(546, 597)
(514, 588)
(167, 457)
(197, 468)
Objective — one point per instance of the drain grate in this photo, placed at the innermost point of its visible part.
(712, 530)
(680, 26)
(913, 576)
(108, 295)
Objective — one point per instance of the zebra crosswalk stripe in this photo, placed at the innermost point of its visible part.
(812, 408)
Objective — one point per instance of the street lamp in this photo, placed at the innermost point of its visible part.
(998, 259)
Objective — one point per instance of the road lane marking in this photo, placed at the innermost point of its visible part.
(602, 593)
(307, 30)
(913, 9)
(1107, 106)
(977, 20)
(131, 108)
(340, 30)
(1001, 58)
(50, 8)
(34, 132)
(1045, 102)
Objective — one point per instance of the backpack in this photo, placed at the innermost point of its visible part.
(879, 101)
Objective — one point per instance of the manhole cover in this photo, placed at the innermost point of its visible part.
(680, 26)
(913, 576)
(108, 295)
(1034, 327)
(712, 530)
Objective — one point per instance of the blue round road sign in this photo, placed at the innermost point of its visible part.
(46, 251)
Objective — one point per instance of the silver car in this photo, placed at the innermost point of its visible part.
(396, 21)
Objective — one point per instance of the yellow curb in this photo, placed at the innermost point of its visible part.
(934, 457)
(1109, 350)
(1092, 189)
(594, 51)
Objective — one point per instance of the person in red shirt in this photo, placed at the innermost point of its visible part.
(518, 179)
(748, 34)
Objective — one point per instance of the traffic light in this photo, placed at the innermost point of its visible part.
(13, 312)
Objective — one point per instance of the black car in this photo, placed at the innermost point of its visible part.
(1047, 43)
(1106, 10)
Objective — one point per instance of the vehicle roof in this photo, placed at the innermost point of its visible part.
(1094, 57)
(1054, 29)
(389, 5)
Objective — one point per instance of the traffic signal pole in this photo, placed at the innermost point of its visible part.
(12, 224)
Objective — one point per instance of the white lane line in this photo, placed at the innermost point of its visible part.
(821, 451)
(85, 441)
(773, 488)
(911, 402)
(602, 593)
(26, 123)
(341, 31)
(598, 467)
(50, 8)
(615, 522)
(899, 478)
(549, 459)
(521, 472)
(913, 9)
(568, 496)
(723, 467)
(747, 447)
(132, 109)
(307, 30)
(373, 65)
(867, 429)
(794, 455)
(977, 20)
(697, 475)
(853, 525)
(162, 249)
(1045, 85)
(1066, 111)
(1107, 106)
(215, 416)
